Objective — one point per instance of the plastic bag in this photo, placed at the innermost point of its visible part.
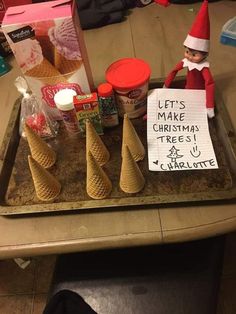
(33, 114)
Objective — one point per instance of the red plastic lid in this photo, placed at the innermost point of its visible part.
(105, 89)
(128, 73)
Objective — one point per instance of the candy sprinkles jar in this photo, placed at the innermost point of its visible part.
(107, 105)
(129, 78)
(64, 102)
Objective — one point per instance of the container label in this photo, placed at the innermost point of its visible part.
(89, 111)
(108, 111)
(107, 105)
(133, 102)
(49, 91)
(135, 93)
(70, 121)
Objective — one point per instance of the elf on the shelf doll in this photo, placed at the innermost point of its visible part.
(196, 51)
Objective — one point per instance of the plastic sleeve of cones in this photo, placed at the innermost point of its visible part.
(39, 149)
(95, 145)
(46, 186)
(98, 184)
(131, 178)
(131, 139)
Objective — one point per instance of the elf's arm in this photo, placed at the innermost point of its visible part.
(173, 73)
(210, 87)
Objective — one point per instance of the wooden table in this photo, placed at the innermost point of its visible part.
(154, 34)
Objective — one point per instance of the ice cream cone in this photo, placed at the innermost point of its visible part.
(41, 34)
(95, 145)
(65, 66)
(47, 47)
(46, 73)
(131, 178)
(40, 151)
(131, 139)
(46, 186)
(98, 184)
(67, 54)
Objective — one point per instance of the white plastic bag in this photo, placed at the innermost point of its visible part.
(33, 114)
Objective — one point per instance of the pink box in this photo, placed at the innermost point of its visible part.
(47, 41)
(4, 4)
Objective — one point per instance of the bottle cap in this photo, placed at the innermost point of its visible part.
(128, 73)
(105, 89)
(64, 99)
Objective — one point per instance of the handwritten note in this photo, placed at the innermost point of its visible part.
(177, 131)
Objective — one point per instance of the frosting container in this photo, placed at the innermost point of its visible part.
(129, 78)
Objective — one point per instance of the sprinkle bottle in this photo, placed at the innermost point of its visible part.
(64, 102)
(107, 105)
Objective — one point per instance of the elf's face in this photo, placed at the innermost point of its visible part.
(194, 56)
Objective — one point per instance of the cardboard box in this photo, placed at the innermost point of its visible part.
(48, 44)
(87, 107)
(4, 4)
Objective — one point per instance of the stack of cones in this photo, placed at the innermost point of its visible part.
(131, 139)
(131, 178)
(95, 145)
(40, 151)
(46, 73)
(46, 186)
(98, 184)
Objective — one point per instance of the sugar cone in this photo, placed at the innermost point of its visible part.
(131, 139)
(64, 65)
(40, 151)
(131, 178)
(47, 47)
(46, 186)
(95, 145)
(98, 184)
(46, 73)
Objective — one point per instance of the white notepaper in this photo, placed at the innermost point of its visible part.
(177, 131)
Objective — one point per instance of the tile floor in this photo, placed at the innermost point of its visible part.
(227, 297)
(25, 291)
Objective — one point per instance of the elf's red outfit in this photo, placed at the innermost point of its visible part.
(198, 73)
(198, 77)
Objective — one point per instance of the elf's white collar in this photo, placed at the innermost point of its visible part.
(191, 65)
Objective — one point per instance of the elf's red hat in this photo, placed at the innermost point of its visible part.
(199, 35)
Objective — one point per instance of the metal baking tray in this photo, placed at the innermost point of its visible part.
(17, 194)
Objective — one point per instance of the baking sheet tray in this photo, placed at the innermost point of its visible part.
(17, 194)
